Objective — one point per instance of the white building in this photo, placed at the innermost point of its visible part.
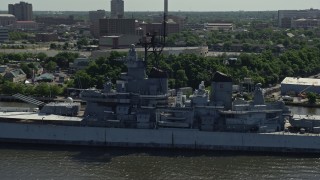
(219, 26)
(300, 85)
(7, 19)
(305, 23)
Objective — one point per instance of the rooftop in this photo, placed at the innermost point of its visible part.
(305, 117)
(301, 81)
(221, 77)
(7, 15)
(29, 22)
(165, 49)
(17, 72)
(46, 76)
(219, 24)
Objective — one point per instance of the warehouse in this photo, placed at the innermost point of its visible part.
(300, 85)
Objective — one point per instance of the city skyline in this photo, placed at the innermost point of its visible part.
(176, 5)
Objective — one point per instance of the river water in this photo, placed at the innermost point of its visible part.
(303, 110)
(52, 162)
(71, 162)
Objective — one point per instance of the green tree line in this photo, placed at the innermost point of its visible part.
(190, 70)
(42, 89)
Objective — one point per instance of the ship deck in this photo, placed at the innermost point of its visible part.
(37, 117)
(292, 134)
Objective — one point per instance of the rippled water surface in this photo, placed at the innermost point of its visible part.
(43, 162)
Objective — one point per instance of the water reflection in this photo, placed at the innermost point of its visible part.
(304, 110)
(121, 163)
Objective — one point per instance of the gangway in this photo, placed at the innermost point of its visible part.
(302, 93)
(29, 100)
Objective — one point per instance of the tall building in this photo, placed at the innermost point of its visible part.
(117, 27)
(22, 11)
(117, 9)
(96, 15)
(286, 17)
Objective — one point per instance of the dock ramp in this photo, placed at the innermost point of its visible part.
(28, 99)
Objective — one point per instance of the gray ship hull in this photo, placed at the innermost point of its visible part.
(158, 138)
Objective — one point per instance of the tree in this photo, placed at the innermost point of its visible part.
(64, 58)
(62, 62)
(51, 66)
(8, 88)
(41, 56)
(82, 42)
(55, 90)
(312, 97)
(17, 35)
(83, 80)
(65, 46)
(43, 89)
(26, 69)
(53, 46)
(181, 79)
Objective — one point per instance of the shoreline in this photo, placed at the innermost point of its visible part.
(302, 104)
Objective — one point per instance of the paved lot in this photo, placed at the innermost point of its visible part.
(49, 53)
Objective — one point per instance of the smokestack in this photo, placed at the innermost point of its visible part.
(165, 20)
(166, 8)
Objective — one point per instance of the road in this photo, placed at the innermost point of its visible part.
(48, 52)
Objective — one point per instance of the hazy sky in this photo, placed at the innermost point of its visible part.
(174, 5)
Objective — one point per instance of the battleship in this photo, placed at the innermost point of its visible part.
(140, 110)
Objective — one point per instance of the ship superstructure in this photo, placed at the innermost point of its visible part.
(141, 101)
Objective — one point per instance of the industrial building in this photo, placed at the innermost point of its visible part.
(22, 11)
(285, 17)
(300, 85)
(305, 23)
(219, 26)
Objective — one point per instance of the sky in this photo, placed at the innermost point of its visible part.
(174, 5)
